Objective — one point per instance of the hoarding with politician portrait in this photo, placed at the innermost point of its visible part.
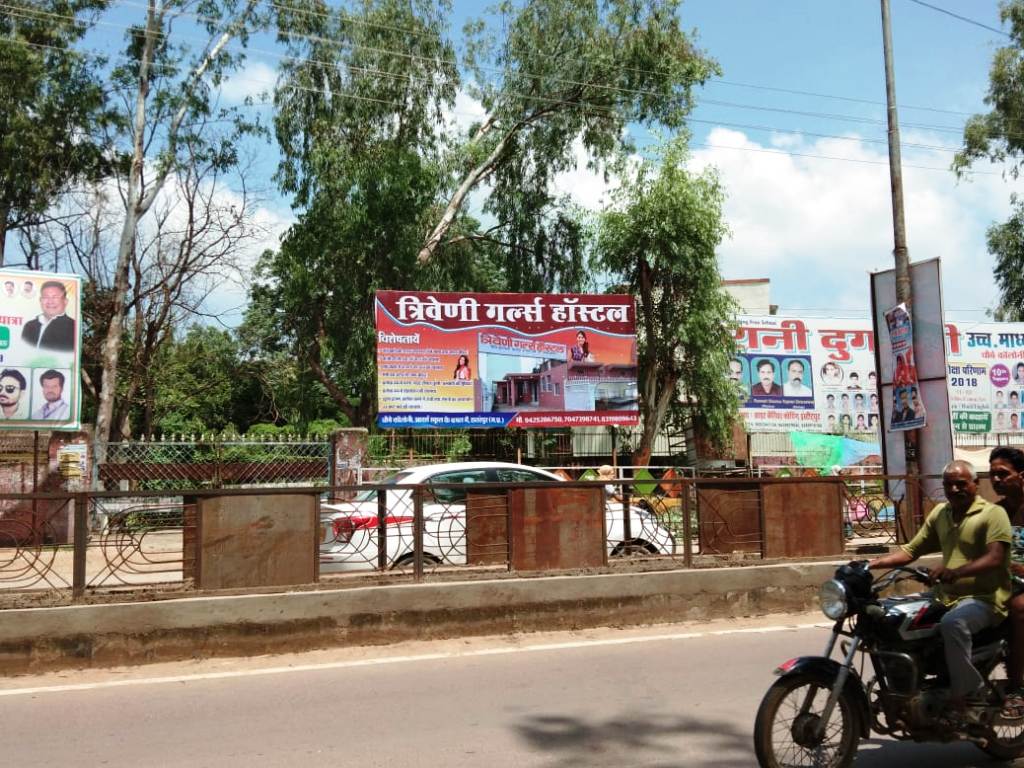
(40, 341)
(505, 359)
(806, 375)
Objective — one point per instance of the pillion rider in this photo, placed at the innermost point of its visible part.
(974, 537)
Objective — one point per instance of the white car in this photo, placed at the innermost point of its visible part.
(349, 530)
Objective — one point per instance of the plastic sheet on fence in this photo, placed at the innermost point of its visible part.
(825, 451)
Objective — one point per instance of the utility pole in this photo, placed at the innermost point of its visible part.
(901, 255)
(899, 227)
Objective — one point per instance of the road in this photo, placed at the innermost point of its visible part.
(663, 697)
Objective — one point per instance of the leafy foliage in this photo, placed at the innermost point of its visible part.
(1006, 243)
(362, 155)
(53, 103)
(659, 240)
(560, 81)
(998, 137)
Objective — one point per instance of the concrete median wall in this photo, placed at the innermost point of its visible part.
(36, 639)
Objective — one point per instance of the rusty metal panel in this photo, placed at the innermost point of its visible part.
(803, 520)
(486, 529)
(729, 517)
(556, 528)
(257, 541)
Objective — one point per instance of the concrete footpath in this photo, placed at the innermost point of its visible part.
(37, 639)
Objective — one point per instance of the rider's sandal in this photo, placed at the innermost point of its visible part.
(1013, 705)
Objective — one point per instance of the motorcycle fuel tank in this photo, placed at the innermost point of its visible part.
(911, 618)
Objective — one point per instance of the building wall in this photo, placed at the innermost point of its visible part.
(753, 296)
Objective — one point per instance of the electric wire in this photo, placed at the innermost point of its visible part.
(763, 150)
(851, 118)
(961, 18)
(564, 81)
(706, 101)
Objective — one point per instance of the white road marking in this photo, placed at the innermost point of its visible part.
(354, 663)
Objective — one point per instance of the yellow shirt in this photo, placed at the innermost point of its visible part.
(983, 524)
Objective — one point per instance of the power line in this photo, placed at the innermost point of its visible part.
(565, 81)
(960, 18)
(859, 160)
(837, 97)
(744, 126)
(541, 99)
(582, 104)
(859, 139)
(830, 116)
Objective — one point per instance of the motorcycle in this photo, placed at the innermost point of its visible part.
(820, 708)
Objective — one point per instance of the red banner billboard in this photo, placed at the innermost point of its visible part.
(457, 360)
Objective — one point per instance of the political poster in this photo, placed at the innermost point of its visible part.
(40, 342)
(805, 374)
(457, 360)
(986, 376)
(908, 411)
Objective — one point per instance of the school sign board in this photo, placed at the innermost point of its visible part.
(40, 347)
(805, 374)
(986, 376)
(817, 375)
(457, 360)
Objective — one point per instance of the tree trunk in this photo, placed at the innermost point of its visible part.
(137, 204)
(455, 204)
(476, 175)
(112, 342)
(3, 234)
(655, 406)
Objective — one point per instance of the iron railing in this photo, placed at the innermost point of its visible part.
(74, 546)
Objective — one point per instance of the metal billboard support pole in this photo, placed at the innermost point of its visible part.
(901, 255)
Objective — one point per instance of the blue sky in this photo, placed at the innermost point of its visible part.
(814, 226)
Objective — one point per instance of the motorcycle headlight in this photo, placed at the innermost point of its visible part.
(833, 599)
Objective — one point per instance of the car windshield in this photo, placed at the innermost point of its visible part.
(371, 493)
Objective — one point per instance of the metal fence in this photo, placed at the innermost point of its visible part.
(187, 463)
(65, 547)
(210, 461)
(536, 446)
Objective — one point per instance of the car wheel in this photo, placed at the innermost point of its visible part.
(634, 547)
(409, 561)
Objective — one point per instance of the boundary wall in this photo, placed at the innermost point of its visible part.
(38, 639)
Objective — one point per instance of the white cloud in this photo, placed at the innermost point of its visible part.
(254, 79)
(587, 187)
(816, 227)
(466, 113)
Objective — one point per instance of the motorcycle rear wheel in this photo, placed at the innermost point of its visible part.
(1005, 736)
(787, 719)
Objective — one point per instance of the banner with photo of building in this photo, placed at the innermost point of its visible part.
(805, 374)
(456, 360)
(40, 343)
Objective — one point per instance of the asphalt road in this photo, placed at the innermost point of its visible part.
(664, 697)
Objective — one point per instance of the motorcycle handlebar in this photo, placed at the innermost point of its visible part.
(920, 574)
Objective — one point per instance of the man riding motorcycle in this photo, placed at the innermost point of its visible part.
(974, 537)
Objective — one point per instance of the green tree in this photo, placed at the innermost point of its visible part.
(557, 78)
(196, 384)
(205, 381)
(360, 114)
(659, 240)
(52, 104)
(168, 102)
(998, 136)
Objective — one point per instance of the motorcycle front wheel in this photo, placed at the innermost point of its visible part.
(788, 720)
